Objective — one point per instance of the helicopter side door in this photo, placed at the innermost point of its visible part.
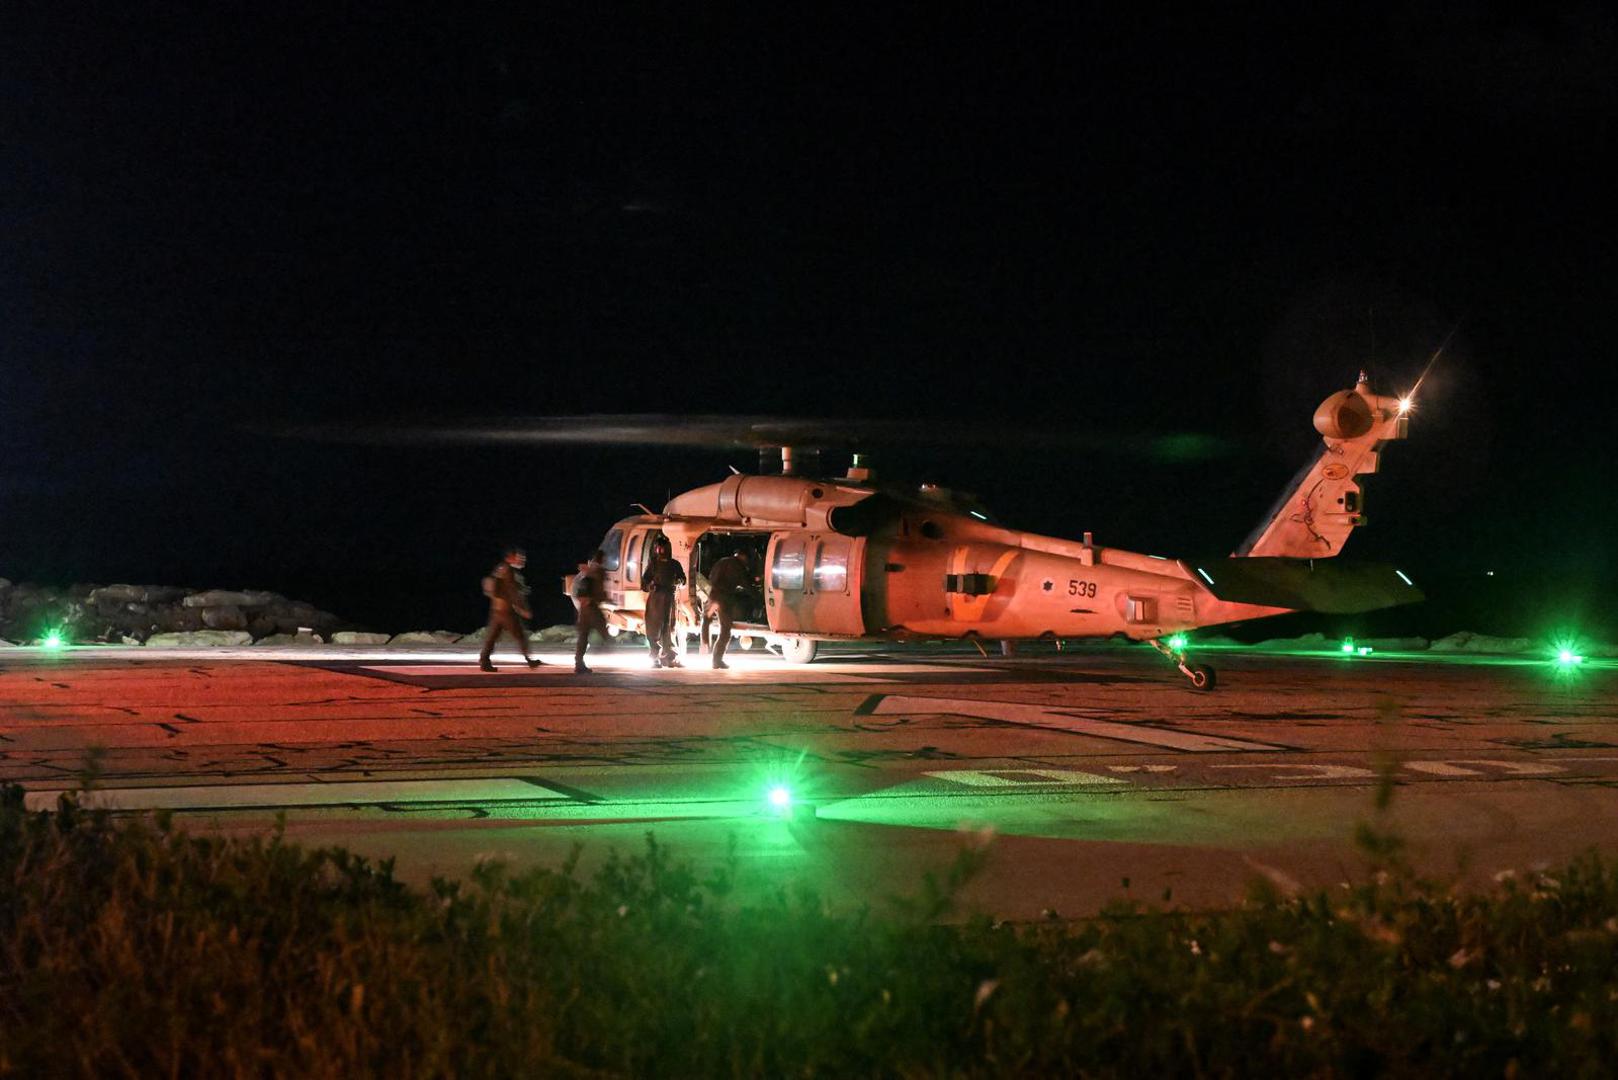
(637, 553)
(812, 583)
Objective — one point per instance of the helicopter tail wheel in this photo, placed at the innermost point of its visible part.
(1202, 677)
(799, 650)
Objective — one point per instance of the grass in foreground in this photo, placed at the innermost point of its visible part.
(127, 947)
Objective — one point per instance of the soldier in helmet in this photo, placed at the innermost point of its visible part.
(659, 578)
(508, 605)
(730, 591)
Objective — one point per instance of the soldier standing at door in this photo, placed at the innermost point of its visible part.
(659, 578)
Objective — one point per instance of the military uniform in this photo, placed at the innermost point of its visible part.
(589, 592)
(660, 578)
(508, 606)
(730, 586)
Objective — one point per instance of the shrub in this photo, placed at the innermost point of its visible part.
(128, 946)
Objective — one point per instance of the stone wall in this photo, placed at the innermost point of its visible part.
(84, 614)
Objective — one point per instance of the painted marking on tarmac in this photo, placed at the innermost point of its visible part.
(343, 793)
(518, 674)
(1004, 778)
(1019, 713)
(1309, 772)
(1458, 767)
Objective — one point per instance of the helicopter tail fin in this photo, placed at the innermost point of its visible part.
(1325, 501)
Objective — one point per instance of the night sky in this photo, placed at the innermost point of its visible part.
(218, 223)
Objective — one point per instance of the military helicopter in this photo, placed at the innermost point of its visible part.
(849, 558)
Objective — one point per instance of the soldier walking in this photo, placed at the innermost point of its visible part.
(508, 605)
(730, 591)
(589, 592)
(659, 578)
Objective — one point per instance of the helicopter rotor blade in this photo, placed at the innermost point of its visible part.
(732, 433)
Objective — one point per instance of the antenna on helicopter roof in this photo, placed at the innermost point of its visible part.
(642, 507)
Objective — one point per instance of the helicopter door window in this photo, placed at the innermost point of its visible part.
(640, 553)
(831, 570)
(613, 548)
(787, 573)
(632, 561)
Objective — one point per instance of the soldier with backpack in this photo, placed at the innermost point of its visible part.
(730, 592)
(508, 605)
(588, 593)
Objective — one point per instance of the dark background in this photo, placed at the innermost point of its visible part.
(220, 221)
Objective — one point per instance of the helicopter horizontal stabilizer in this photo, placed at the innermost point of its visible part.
(1332, 587)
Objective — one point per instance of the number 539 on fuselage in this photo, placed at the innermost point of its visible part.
(848, 558)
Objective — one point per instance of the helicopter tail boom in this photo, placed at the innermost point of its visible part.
(1325, 501)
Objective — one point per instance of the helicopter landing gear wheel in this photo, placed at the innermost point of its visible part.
(799, 650)
(1201, 675)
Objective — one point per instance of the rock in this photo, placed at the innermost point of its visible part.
(1395, 644)
(474, 638)
(226, 598)
(425, 637)
(193, 638)
(1466, 641)
(178, 620)
(553, 634)
(224, 617)
(358, 637)
(289, 639)
(119, 594)
(1307, 641)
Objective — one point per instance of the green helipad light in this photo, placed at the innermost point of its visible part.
(1177, 642)
(1566, 657)
(780, 798)
(52, 640)
(1348, 645)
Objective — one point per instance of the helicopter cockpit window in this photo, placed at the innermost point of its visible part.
(831, 570)
(787, 572)
(932, 530)
(613, 548)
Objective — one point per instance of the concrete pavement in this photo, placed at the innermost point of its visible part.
(1089, 775)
